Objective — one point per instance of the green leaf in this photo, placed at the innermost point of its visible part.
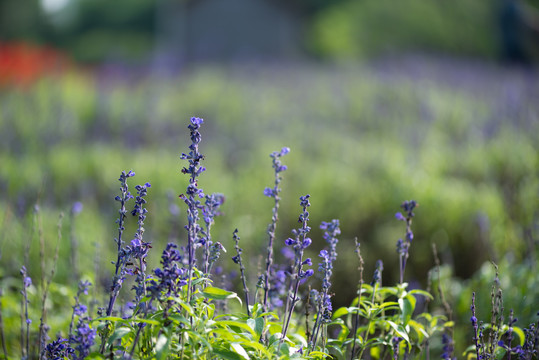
(520, 334)
(110, 318)
(421, 292)
(219, 294)
(341, 312)
(147, 321)
(499, 353)
(240, 350)
(238, 324)
(407, 305)
(400, 330)
(227, 354)
(118, 334)
(187, 308)
(257, 325)
(162, 347)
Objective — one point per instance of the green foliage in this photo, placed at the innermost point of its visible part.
(359, 29)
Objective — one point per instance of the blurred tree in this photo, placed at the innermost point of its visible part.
(23, 20)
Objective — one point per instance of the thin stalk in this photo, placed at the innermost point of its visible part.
(237, 259)
(46, 289)
(271, 238)
(360, 287)
(2, 337)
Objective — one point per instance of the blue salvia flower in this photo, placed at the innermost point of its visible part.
(83, 339)
(170, 278)
(476, 330)
(124, 254)
(58, 350)
(330, 235)
(26, 283)
(324, 299)
(396, 340)
(377, 277)
(300, 243)
(79, 309)
(209, 211)
(139, 248)
(404, 245)
(215, 252)
(448, 347)
(273, 193)
(192, 195)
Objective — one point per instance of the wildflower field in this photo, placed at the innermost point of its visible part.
(375, 211)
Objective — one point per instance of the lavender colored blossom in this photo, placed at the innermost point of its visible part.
(192, 195)
(123, 253)
(404, 245)
(330, 235)
(377, 277)
(300, 243)
(76, 208)
(83, 339)
(79, 309)
(170, 278)
(210, 210)
(59, 349)
(448, 347)
(215, 253)
(273, 193)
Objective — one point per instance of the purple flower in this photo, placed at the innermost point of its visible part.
(58, 349)
(290, 241)
(76, 208)
(306, 243)
(197, 121)
(268, 192)
(83, 338)
(399, 216)
(79, 309)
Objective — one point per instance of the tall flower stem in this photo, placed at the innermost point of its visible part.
(360, 288)
(237, 260)
(191, 196)
(300, 243)
(404, 245)
(121, 255)
(46, 290)
(273, 193)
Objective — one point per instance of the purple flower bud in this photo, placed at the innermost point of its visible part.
(268, 192)
(197, 121)
(323, 254)
(307, 262)
(76, 208)
(285, 151)
(306, 242)
(399, 216)
(289, 241)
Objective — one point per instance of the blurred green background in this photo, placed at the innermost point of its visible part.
(379, 103)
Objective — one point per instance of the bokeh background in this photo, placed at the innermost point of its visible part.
(380, 102)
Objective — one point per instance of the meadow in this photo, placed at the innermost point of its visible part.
(458, 137)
